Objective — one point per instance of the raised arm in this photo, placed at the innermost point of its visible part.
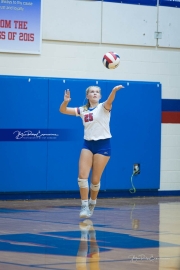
(63, 107)
(109, 101)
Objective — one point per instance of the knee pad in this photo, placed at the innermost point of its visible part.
(82, 253)
(95, 187)
(83, 183)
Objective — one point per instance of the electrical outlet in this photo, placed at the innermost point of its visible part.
(136, 168)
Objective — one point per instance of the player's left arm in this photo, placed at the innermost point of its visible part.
(110, 99)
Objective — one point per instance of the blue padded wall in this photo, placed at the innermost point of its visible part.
(23, 104)
(136, 130)
(53, 165)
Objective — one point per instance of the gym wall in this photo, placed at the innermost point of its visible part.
(36, 163)
(76, 34)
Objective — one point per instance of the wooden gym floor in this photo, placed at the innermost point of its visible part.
(124, 233)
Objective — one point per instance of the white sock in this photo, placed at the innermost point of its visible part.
(92, 234)
(92, 201)
(84, 235)
(84, 202)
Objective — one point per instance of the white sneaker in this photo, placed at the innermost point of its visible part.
(86, 225)
(84, 213)
(91, 209)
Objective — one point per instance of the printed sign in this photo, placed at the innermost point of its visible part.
(20, 26)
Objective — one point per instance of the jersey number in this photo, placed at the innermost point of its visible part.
(88, 117)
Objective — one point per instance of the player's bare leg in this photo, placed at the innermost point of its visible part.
(94, 250)
(99, 164)
(86, 228)
(85, 165)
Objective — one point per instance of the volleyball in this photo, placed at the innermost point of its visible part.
(111, 60)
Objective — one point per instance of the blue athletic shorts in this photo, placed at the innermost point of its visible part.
(102, 147)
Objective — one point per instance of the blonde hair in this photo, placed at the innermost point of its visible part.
(87, 105)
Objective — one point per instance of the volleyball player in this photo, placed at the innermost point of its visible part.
(96, 149)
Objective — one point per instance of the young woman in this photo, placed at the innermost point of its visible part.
(96, 149)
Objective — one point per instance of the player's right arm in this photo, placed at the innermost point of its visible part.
(63, 107)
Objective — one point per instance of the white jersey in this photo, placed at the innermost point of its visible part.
(96, 122)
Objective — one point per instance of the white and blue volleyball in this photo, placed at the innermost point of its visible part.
(111, 60)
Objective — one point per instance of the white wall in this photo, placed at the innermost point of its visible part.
(74, 51)
(170, 157)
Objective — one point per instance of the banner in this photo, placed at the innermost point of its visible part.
(41, 135)
(20, 26)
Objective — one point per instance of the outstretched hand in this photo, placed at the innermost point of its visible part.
(118, 87)
(67, 95)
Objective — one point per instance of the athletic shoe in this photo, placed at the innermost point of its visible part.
(84, 213)
(86, 225)
(91, 209)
